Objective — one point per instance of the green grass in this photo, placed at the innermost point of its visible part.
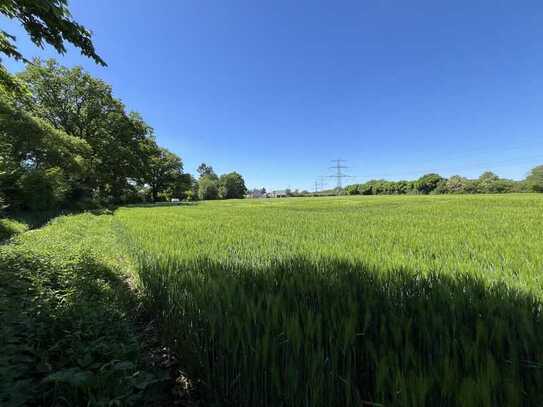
(12, 224)
(340, 301)
(10, 227)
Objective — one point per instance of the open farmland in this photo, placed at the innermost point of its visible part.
(345, 301)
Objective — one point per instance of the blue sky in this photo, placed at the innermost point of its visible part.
(277, 89)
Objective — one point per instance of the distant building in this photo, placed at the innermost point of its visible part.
(257, 193)
(278, 194)
(261, 193)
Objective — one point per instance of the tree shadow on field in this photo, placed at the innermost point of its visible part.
(35, 219)
(336, 333)
(68, 335)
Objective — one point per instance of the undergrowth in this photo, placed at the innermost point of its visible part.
(10, 228)
(68, 330)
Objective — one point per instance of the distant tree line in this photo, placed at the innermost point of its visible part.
(66, 142)
(487, 183)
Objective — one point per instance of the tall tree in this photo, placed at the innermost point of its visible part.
(205, 170)
(182, 187)
(232, 186)
(83, 106)
(535, 179)
(428, 183)
(164, 170)
(460, 185)
(47, 22)
(488, 183)
(208, 188)
(40, 166)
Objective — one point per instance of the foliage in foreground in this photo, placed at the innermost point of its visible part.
(403, 301)
(47, 22)
(66, 336)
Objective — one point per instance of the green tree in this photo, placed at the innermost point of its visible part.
(428, 183)
(205, 170)
(488, 183)
(208, 188)
(181, 187)
(353, 189)
(47, 22)
(33, 152)
(43, 189)
(458, 185)
(535, 179)
(164, 170)
(82, 106)
(232, 186)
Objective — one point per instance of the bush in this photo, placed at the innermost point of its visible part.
(67, 336)
(353, 189)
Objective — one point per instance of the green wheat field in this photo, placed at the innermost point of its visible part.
(340, 301)
(349, 301)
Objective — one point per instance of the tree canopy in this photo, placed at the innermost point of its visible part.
(46, 22)
(39, 164)
(163, 169)
(227, 186)
(208, 188)
(488, 182)
(66, 141)
(232, 186)
(535, 179)
(428, 183)
(205, 170)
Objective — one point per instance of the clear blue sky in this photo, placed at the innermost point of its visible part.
(276, 89)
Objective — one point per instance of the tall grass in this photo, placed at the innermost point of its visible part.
(10, 227)
(404, 301)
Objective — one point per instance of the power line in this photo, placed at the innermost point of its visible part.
(339, 175)
(322, 184)
(459, 168)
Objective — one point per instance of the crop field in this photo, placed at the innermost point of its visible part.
(347, 301)
(407, 301)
